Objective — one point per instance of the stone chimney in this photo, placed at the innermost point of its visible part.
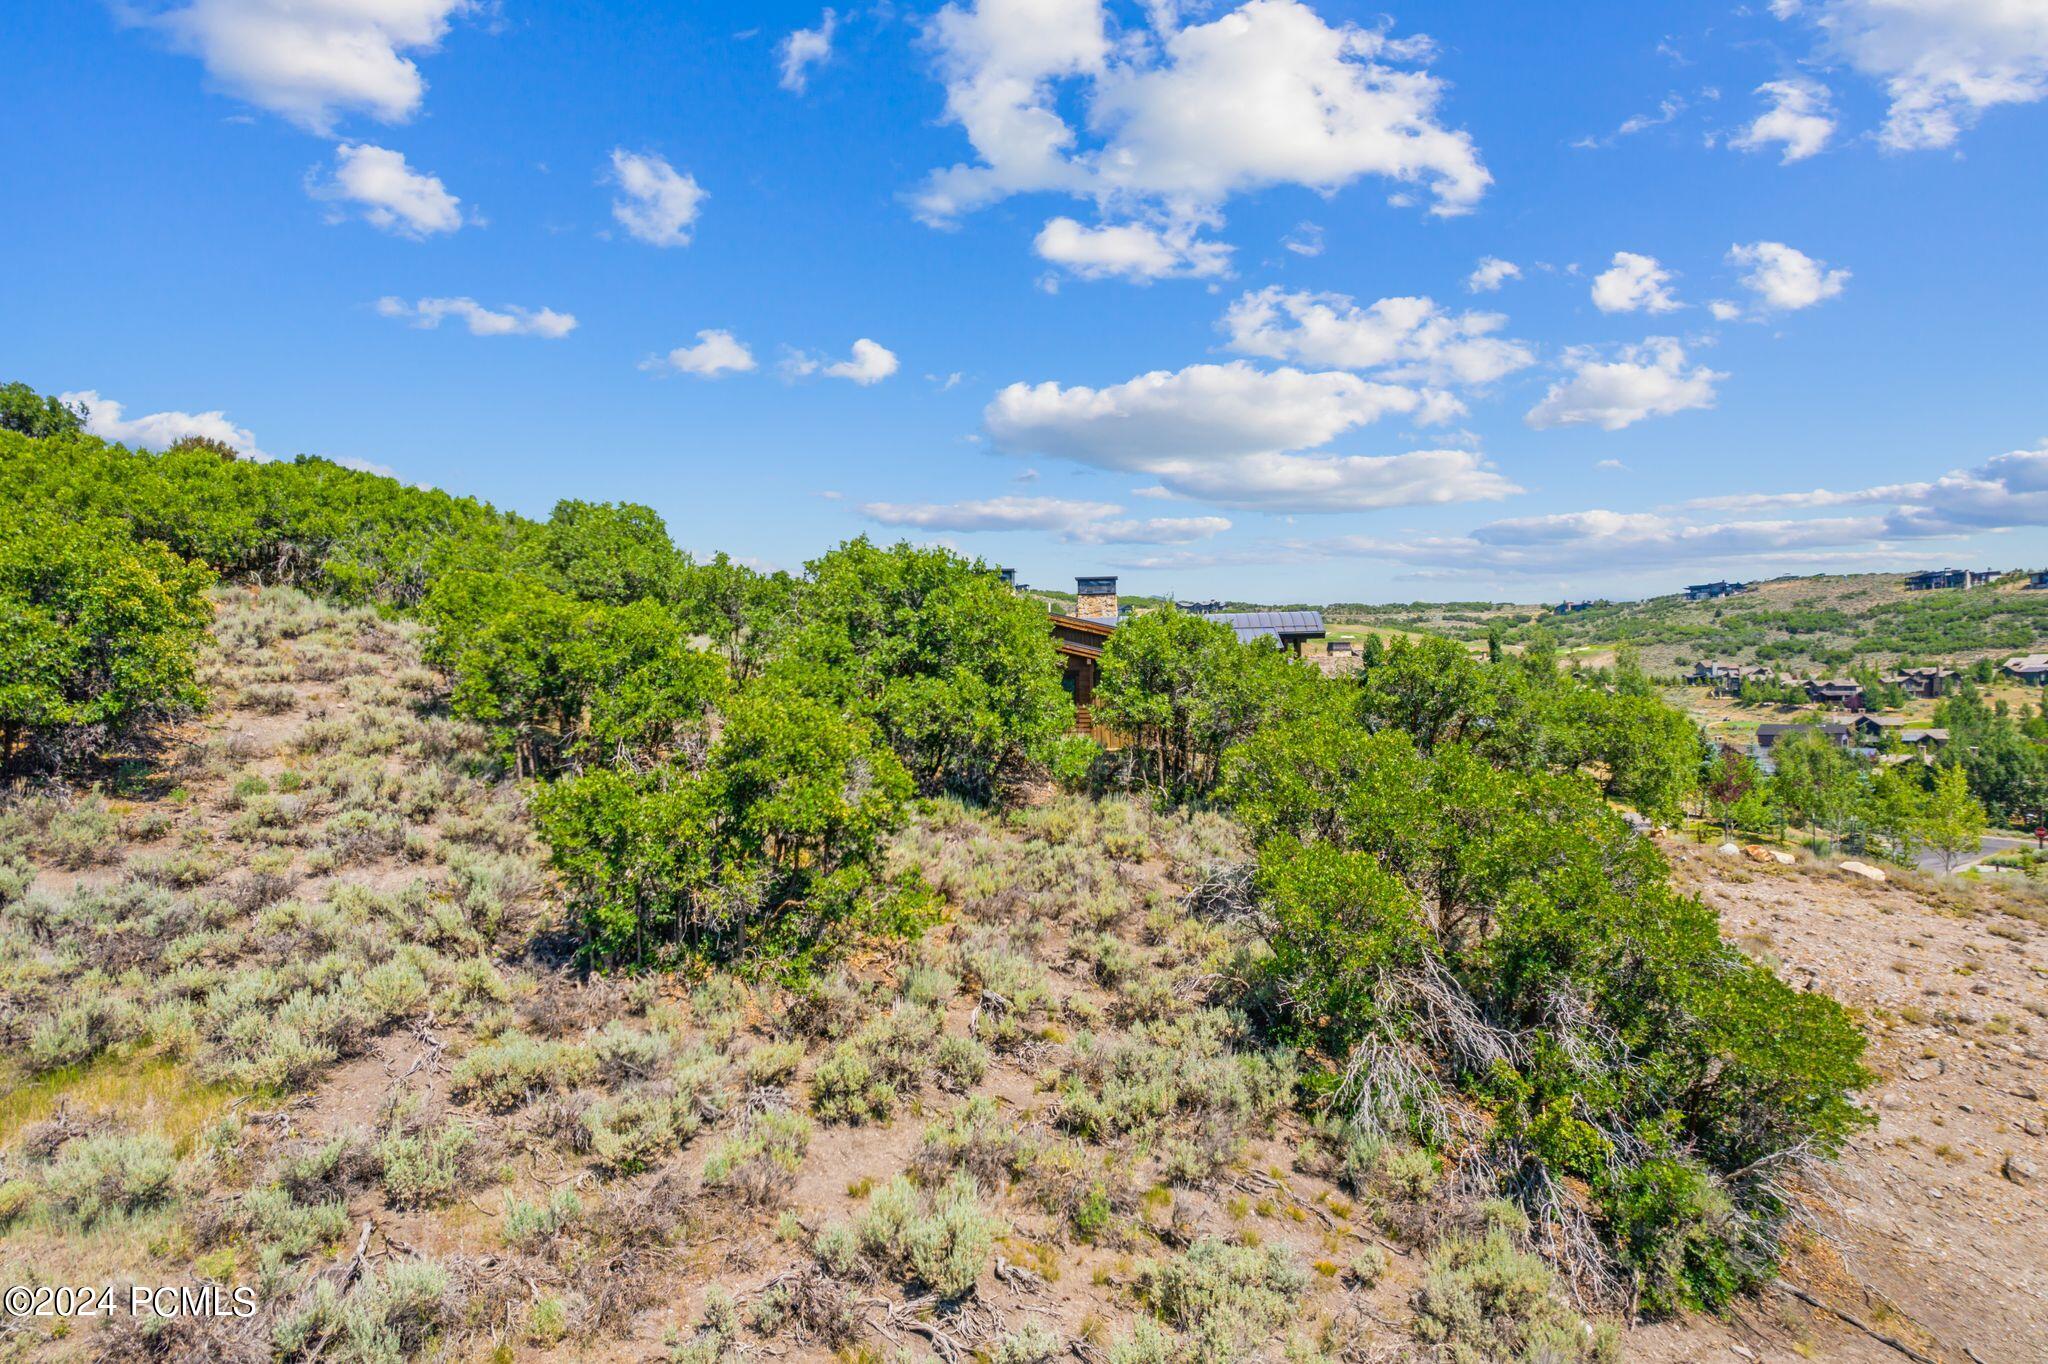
(1095, 599)
(1009, 577)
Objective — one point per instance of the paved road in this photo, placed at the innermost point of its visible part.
(1990, 847)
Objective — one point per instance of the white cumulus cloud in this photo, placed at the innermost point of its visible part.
(1646, 380)
(1801, 119)
(1490, 274)
(511, 320)
(1174, 120)
(312, 60)
(1132, 251)
(1410, 339)
(378, 185)
(717, 352)
(870, 363)
(1634, 283)
(1783, 278)
(657, 203)
(1235, 435)
(105, 418)
(805, 48)
(1942, 63)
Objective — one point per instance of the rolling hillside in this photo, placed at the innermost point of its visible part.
(1826, 621)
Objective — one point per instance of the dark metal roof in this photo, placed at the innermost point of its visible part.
(1252, 625)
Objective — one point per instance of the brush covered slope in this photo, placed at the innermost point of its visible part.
(472, 935)
(290, 1009)
(287, 1012)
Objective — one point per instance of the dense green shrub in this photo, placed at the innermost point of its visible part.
(763, 852)
(610, 553)
(1442, 925)
(100, 636)
(559, 682)
(957, 672)
(29, 413)
(305, 523)
(1183, 689)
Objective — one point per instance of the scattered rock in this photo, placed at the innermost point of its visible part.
(2020, 1170)
(1925, 1070)
(1862, 869)
(1729, 848)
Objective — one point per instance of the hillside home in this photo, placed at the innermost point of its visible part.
(1770, 736)
(1572, 608)
(1727, 678)
(1842, 693)
(2030, 670)
(1928, 741)
(1935, 579)
(1709, 591)
(1926, 683)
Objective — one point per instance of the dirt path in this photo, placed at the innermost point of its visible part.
(1931, 1236)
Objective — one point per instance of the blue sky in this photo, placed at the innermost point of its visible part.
(1200, 305)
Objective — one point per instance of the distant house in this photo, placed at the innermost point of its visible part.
(1934, 579)
(1291, 628)
(1201, 608)
(1728, 678)
(1709, 591)
(1340, 646)
(2039, 579)
(2030, 670)
(1928, 741)
(1842, 693)
(1570, 608)
(1873, 728)
(1769, 737)
(1926, 683)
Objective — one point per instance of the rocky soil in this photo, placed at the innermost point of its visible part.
(1934, 1228)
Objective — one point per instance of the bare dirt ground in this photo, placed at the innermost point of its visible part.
(1925, 1233)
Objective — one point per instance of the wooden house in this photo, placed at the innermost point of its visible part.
(1078, 637)
(2030, 670)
